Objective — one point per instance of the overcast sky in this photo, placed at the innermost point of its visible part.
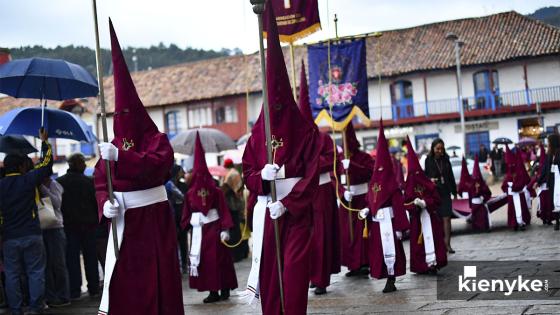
(213, 24)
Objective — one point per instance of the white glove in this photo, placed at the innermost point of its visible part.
(111, 210)
(269, 172)
(363, 213)
(348, 195)
(346, 163)
(277, 209)
(108, 151)
(420, 203)
(224, 236)
(399, 235)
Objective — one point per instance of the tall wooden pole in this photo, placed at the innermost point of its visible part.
(292, 57)
(258, 9)
(101, 99)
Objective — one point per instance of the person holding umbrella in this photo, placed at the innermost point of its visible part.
(23, 248)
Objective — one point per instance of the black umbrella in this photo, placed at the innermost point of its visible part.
(502, 140)
(15, 145)
(453, 148)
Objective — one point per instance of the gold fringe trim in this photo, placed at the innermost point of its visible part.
(299, 35)
(339, 126)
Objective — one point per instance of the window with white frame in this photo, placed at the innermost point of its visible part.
(226, 114)
(172, 123)
(201, 116)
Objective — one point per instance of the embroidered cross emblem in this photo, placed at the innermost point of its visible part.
(376, 188)
(477, 185)
(203, 193)
(419, 190)
(275, 144)
(127, 144)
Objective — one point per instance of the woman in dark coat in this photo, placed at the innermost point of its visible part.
(438, 168)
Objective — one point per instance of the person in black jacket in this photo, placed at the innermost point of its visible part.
(438, 168)
(79, 211)
(23, 249)
(548, 177)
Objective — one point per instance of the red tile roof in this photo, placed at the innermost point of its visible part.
(490, 39)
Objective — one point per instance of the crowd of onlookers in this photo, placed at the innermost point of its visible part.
(42, 257)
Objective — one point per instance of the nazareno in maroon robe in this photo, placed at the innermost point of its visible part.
(325, 247)
(299, 155)
(354, 253)
(479, 212)
(418, 185)
(517, 175)
(383, 191)
(216, 270)
(146, 278)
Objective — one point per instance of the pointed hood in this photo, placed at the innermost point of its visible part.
(286, 122)
(465, 181)
(304, 105)
(131, 123)
(476, 174)
(383, 180)
(202, 189)
(479, 186)
(417, 183)
(351, 139)
(522, 177)
(510, 160)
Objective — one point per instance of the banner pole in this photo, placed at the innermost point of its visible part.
(101, 99)
(294, 91)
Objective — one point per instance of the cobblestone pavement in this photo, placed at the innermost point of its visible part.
(416, 294)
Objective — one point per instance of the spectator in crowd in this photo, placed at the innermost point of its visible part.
(497, 161)
(23, 249)
(79, 210)
(57, 291)
(233, 191)
(482, 153)
(438, 168)
(176, 189)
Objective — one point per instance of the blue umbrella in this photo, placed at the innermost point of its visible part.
(58, 123)
(43, 78)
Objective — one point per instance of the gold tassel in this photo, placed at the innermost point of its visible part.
(365, 232)
(420, 239)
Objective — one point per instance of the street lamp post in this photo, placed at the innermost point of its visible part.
(458, 43)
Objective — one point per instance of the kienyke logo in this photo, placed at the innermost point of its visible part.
(468, 282)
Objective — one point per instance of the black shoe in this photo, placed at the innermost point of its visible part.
(58, 304)
(432, 271)
(516, 228)
(523, 227)
(320, 291)
(390, 285)
(451, 251)
(353, 273)
(224, 294)
(212, 297)
(312, 286)
(364, 270)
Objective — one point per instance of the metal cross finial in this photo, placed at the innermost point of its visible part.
(275, 144)
(203, 193)
(376, 188)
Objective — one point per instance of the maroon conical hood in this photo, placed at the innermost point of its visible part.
(417, 183)
(476, 174)
(286, 122)
(351, 139)
(522, 176)
(542, 158)
(304, 105)
(509, 158)
(465, 181)
(383, 176)
(131, 122)
(202, 188)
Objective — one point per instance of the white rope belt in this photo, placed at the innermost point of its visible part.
(516, 203)
(477, 200)
(197, 221)
(360, 189)
(324, 178)
(127, 200)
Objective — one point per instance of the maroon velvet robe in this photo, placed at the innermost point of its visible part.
(354, 254)
(325, 251)
(216, 270)
(479, 189)
(516, 174)
(545, 196)
(146, 278)
(418, 185)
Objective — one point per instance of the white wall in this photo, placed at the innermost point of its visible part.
(510, 77)
(544, 73)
